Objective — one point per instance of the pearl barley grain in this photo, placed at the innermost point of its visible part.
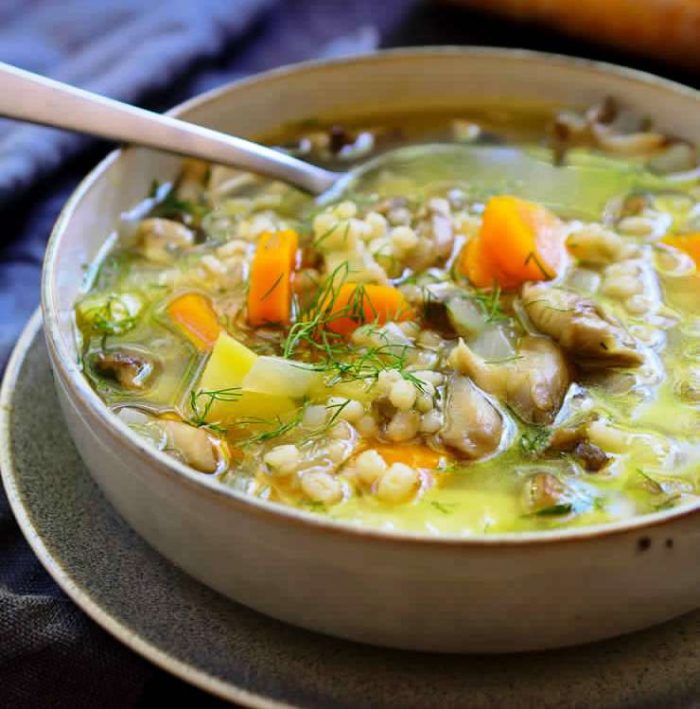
(283, 459)
(402, 395)
(367, 427)
(403, 238)
(346, 210)
(377, 225)
(398, 483)
(322, 487)
(323, 223)
(369, 465)
(315, 416)
(403, 426)
(346, 409)
(430, 422)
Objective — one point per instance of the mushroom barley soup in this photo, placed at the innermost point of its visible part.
(500, 333)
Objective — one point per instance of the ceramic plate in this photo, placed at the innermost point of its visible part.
(240, 655)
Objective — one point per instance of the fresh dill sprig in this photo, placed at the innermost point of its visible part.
(413, 379)
(316, 315)
(269, 291)
(338, 409)
(657, 488)
(563, 508)
(279, 427)
(532, 256)
(313, 505)
(202, 400)
(655, 485)
(330, 352)
(169, 206)
(329, 232)
(445, 507)
(668, 503)
(533, 441)
(112, 317)
(490, 302)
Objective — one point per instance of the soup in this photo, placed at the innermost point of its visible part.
(496, 332)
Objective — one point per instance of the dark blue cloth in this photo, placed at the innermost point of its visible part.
(121, 48)
(155, 53)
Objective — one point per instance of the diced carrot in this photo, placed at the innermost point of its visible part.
(525, 240)
(357, 303)
(193, 313)
(477, 266)
(519, 241)
(270, 291)
(413, 454)
(690, 243)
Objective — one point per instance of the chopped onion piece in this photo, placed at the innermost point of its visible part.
(493, 344)
(466, 317)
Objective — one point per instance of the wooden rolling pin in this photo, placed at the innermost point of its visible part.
(664, 29)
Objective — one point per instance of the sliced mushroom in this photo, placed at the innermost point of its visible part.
(473, 426)
(543, 493)
(575, 441)
(338, 138)
(161, 239)
(533, 384)
(362, 146)
(130, 370)
(630, 144)
(579, 325)
(608, 127)
(195, 446)
(190, 185)
(591, 456)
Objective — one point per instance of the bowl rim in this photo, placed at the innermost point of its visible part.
(74, 380)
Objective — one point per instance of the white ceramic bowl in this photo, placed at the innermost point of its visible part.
(495, 593)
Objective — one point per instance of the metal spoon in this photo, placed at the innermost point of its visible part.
(579, 189)
(30, 97)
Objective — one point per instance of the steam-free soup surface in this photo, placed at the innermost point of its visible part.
(498, 333)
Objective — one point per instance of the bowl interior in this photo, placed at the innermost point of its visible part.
(402, 80)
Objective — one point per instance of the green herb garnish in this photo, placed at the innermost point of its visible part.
(534, 441)
(563, 508)
(490, 302)
(202, 400)
(445, 507)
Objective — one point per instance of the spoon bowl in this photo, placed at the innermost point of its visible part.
(577, 189)
(532, 174)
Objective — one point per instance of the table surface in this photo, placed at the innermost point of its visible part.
(27, 224)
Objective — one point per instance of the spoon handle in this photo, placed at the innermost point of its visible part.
(30, 97)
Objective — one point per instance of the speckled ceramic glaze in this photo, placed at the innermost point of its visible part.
(493, 593)
(223, 647)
